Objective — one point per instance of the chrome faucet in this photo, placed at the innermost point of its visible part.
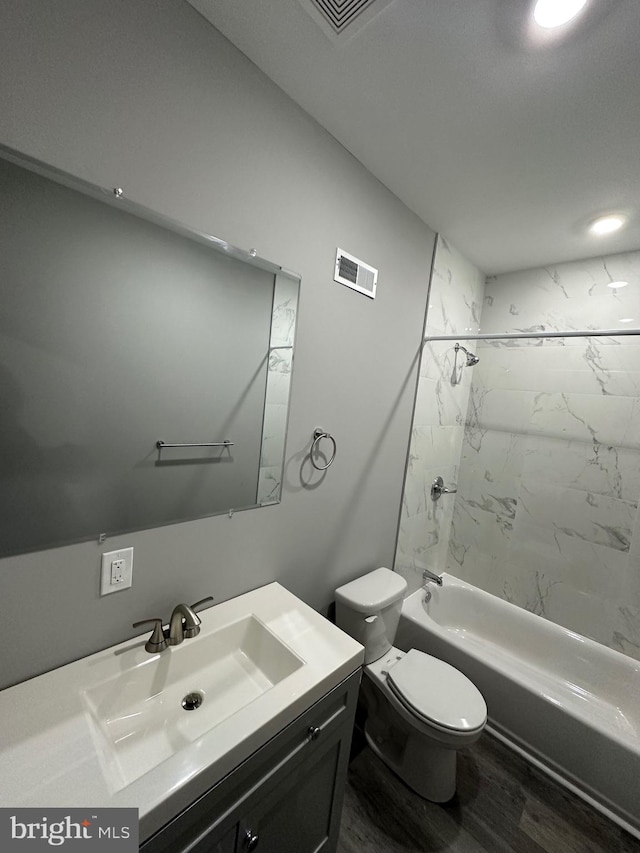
(429, 576)
(184, 623)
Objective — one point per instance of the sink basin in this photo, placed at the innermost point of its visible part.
(109, 729)
(149, 711)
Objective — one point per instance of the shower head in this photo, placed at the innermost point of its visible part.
(472, 358)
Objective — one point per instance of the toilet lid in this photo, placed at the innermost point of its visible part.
(437, 692)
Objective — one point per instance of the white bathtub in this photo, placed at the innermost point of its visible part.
(567, 703)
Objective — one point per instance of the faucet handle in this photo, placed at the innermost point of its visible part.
(202, 601)
(157, 642)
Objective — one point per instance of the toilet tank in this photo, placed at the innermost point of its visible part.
(368, 609)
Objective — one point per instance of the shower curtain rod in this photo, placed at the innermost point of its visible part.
(589, 333)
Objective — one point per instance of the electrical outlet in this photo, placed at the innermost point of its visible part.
(117, 571)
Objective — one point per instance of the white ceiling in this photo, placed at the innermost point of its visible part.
(507, 146)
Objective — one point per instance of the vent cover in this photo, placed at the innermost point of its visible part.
(343, 18)
(355, 274)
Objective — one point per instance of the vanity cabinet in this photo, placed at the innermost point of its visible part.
(285, 798)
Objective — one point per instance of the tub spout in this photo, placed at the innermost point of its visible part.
(430, 576)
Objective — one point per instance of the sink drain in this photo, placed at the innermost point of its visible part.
(192, 701)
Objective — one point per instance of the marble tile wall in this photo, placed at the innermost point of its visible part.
(546, 514)
(455, 301)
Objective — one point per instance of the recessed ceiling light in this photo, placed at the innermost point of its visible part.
(616, 284)
(607, 224)
(626, 320)
(555, 13)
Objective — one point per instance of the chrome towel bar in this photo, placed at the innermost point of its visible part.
(162, 444)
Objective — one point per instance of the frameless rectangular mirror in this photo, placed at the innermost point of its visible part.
(145, 369)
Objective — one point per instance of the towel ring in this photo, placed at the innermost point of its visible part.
(318, 435)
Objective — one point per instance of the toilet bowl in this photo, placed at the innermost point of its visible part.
(419, 709)
(418, 718)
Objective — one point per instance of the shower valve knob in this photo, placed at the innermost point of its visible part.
(438, 489)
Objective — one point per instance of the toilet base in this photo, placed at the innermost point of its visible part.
(425, 766)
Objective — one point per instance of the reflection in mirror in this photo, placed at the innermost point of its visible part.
(119, 329)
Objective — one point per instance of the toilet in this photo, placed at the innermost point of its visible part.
(419, 709)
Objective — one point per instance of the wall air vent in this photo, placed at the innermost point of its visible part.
(341, 19)
(355, 274)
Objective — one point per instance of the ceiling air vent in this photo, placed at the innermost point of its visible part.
(340, 19)
(355, 274)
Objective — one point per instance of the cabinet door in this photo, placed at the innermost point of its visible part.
(222, 845)
(295, 817)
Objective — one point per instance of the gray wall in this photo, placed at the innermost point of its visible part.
(150, 97)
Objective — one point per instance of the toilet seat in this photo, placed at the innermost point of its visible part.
(437, 693)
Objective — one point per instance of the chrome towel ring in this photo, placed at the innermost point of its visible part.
(318, 435)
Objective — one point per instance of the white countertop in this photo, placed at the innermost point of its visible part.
(52, 754)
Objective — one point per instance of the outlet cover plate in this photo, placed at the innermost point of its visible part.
(106, 585)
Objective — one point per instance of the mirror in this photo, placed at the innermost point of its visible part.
(144, 368)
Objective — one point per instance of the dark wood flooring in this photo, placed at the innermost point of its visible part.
(502, 805)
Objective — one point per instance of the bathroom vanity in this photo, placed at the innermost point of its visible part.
(258, 764)
(286, 798)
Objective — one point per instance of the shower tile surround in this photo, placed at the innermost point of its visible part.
(455, 302)
(546, 514)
